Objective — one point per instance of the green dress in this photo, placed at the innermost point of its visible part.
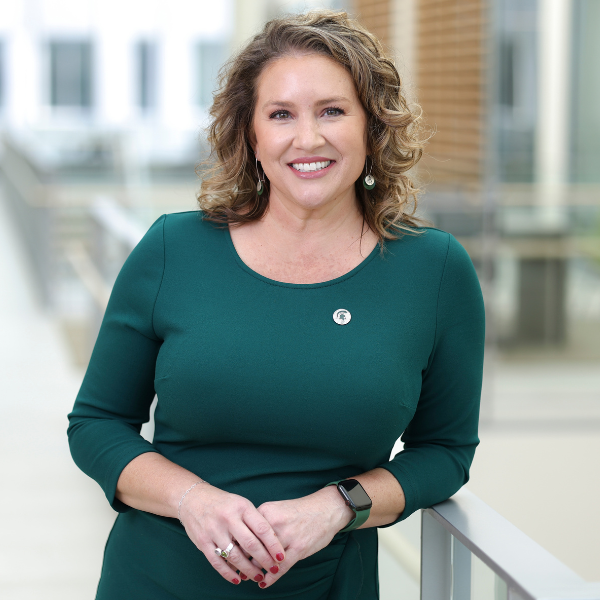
(263, 394)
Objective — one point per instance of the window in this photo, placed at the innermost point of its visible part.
(71, 74)
(2, 72)
(146, 61)
(585, 118)
(516, 83)
(210, 58)
(507, 72)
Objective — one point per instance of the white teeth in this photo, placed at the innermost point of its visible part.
(314, 166)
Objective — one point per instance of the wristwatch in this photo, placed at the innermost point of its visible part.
(356, 498)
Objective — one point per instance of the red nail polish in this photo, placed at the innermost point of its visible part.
(258, 577)
(279, 557)
(236, 581)
(244, 577)
(262, 584)
(274, 569)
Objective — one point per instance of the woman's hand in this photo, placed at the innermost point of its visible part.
(293, 529)
(213, 518)
(304, 525)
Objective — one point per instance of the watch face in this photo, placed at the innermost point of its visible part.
(355, 492)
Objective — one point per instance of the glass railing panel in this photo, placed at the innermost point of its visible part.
(485, 584)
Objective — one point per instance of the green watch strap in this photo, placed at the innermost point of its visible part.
(359, 518)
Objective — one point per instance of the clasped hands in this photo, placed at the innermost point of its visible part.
(272, 537)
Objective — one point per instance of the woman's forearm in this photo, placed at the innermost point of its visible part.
(385, 493)
(154, 484)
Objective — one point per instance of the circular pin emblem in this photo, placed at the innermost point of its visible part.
(342, 316)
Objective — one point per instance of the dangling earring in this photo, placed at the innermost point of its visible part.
(369, 180)
(260, 186)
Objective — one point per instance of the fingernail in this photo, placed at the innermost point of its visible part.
(236, 581)
(262, 584)
(274, 569)
(244, 577)
(279, 557)
(258, 577)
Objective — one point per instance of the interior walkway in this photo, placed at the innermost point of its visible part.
(54, 521)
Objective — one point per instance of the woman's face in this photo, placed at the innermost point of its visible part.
(309, 131)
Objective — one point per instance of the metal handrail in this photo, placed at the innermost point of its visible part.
(27, 197)
(113, 218)
(464, 524)
(112, 226)
(108, 219)
(89, 275)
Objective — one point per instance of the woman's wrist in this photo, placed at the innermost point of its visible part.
(154, 484)
(341, 513)
(183, 497)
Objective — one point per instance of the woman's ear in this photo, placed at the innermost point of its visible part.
(253, 144)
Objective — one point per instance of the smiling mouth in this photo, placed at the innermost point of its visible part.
(310, 167)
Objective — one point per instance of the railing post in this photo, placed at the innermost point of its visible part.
(436, 556)
(461, 571)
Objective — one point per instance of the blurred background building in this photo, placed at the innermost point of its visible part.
(102, 113)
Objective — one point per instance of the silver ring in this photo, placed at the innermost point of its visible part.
(225, 553)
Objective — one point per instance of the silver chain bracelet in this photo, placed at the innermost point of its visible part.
(184, 495)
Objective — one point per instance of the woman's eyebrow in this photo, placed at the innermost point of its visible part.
(285, 104)
(332, 100)
(278, 103)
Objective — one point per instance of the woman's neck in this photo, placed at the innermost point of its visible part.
(295, 229)
(304, 246)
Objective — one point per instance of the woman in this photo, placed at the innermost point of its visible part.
(287, 349)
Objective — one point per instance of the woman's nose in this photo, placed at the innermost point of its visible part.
(308, 135)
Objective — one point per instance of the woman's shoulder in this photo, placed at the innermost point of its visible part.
(191, 228)
(181, 236)
(427, 242)
(431, 251)
(189, 220)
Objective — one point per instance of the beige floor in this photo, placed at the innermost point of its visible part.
(54, 521)
(548, 484)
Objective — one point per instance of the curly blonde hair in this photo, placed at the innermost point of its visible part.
(228, 192)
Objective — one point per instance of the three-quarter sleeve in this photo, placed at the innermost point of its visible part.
(440, 440)
(118, 387)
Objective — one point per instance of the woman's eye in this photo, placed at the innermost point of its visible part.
(333, 112)
(280, 114)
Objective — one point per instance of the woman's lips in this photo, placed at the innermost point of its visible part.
(312, 174)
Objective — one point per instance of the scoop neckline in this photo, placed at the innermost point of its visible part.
(320, 284)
